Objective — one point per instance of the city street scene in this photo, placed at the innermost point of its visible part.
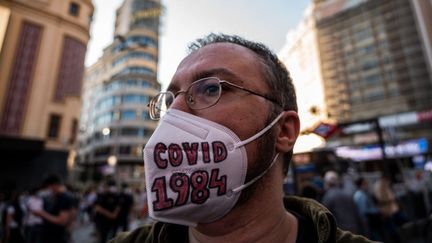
(215, 121)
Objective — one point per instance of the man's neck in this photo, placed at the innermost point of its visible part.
(263, 218)
(284, 229)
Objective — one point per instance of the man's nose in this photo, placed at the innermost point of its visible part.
(179, 103)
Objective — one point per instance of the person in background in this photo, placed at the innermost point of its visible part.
(56, 212)
(214, 165)
(310, 191)
(368, 211)
(341, 204)
(33, 223)
(107, 209)
(12, 218)
(2, 207)
(126, 202)
(86, 205)
(419, 192)
(389, 209)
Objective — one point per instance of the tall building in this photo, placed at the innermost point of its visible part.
(376, 64)
(114, 123)
(300, 55)
(42, 50)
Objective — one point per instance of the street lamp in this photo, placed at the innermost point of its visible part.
(112, 161)
(106, 131)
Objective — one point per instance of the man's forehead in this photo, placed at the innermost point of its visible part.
(220, 50)
(225, 60)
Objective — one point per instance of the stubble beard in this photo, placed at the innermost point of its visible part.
(265, 148)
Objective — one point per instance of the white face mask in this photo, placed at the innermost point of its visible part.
(195, 169)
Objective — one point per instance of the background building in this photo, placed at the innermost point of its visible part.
(115, 125)
(42, 50)
(301, 56)
(375, 62)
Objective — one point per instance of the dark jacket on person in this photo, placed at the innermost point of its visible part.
(316, 224)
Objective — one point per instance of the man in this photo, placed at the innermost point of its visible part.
(214, 164)
(106, 210)
(367, 209)
(341, 204)
(56, 214)
(126, 202)
(33, 223)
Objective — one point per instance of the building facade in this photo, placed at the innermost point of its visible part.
(115, 125)
(301, 57)
(376, 67)
(42, 50)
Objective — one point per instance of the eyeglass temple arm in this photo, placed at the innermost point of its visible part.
(250, 91)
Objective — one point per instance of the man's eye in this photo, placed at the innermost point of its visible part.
(212, 89)
(209, 89)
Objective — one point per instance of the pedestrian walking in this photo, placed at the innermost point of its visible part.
(368, 210)
(106, 211)
(341, 204)
(56, 212)
(12, 218)
(32, 222)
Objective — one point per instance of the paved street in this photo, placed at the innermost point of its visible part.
(84, 234)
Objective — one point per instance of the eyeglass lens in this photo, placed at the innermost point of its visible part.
(160, 104)
(200, 95)
(203, 93)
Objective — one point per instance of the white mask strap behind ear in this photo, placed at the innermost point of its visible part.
(259, 134)
(258, 177)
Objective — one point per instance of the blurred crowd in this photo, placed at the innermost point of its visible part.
(375, 206)
(49, 213)
(368, 205)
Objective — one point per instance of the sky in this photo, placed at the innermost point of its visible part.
(266, 21)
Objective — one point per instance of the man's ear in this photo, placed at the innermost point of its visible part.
(289, 128)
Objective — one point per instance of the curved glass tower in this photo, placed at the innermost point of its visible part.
(115, 125)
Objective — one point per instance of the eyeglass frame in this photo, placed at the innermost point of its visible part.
(221, 82)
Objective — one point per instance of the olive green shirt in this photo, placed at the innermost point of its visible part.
(322, 227)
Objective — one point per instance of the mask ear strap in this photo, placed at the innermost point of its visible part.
(259, 134)
(256, 178)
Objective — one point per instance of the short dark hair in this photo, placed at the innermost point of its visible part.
(52, 179)
(359, 181)
(276, 75)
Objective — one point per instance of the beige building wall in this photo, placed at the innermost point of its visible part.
(423, 9)
(301, 56)
(56, 23)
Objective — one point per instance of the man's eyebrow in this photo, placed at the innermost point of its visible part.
(221, 73)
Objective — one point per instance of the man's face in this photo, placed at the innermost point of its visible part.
(243, 113)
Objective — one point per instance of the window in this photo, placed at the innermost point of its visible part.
(130, 98)
(137, 70)
(104, 118)
(74, 130)
(71, 71)
(133, 41)
(137, 99)
(102, 151)
(125, 149)
(74, 9)
(54, 126)
(129, 131)
(128, 115)
(26, 56)
(133, 55)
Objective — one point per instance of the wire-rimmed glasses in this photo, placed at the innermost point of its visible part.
(201, 94)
